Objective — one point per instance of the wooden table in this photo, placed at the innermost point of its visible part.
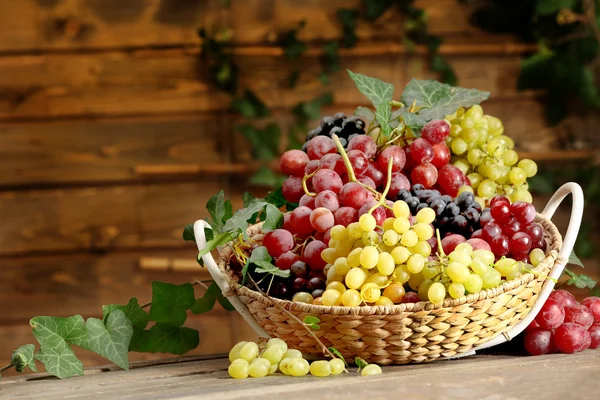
(481, 377)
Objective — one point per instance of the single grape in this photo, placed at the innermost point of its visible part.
(327, 199)
(499, 244)
(320, 368)
(421, 151)
(355, 196)
(319, 146)
(400, 254)
(520, 243)
(529, 166)
(450, 179)
(298, 367)
(410, 297)
(551, 315)
(321, 219)
(425, 174)
(292, 189)
(345, 216)
(326, 179)
(364, 143)
(303, 297)
(351, 298)
(359, 161)
(538, 341)
(594, 332)
(441, 155)
(436, 292)
(292, 353)
(337, 366)
(399, 182)
(234, 353)
(491, 278)
(334, 162)
(278, 242)
(391, 152)
(450, 242)
(238, 369)
(369, 257)
(571, 338)
(593, 304)
(474, 283)
(331, 297)
(249, 351)
(435, 131)
(371, 369)
(312, 254)
(523, 212)
(284, 366)
(258, 368)
(579, 315)
(300, 221)
(293, 162)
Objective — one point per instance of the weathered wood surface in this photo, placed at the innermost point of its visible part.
(551, 377)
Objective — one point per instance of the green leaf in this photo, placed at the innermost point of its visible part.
(265, 267)
(219, 240)
(250, 106)
(276, 198)
(588, 89)
(310, 319)
(265, 176)
(23, 357)
(238, 223)
(218, 211)
(348, 19)
(225, 303)
(306, 111)
(375, 8)
(383, 114)
(337, 354)
(364, 113)
(264, 142)
(549, 7)
(60, 360)
(414, 121)
(53, 331)
(248, 198)
(136, 314)
(170, 302)
(188, 233)
(292, 47)
(259, 254)
(111, 341)
(438, 99)
(165, 338)
(360, 363)
(206, 303)
(314, 326)
(581, 281)
(573, 259)
(374, 89)
(273, 220)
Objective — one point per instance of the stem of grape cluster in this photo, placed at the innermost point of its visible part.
(388, 183)
(304, 179)
(351, 175)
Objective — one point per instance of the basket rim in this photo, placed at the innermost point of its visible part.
(552, 236)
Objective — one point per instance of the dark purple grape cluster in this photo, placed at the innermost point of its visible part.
(345, 127)
(460, 215)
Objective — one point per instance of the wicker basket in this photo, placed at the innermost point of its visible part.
(412, 332)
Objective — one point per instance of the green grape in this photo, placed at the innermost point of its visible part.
(476, 157)
(367, 222)
(353, 259)
(351, 298)
(277, 342)
(331, 297)
(536, 257)
(456, 290)
(378, 279)
(496, 147)
(274, 354)
(339, 286)
(436, 292)
(259, 368)
(495, 172)
(238, 369)
(469, 135)
(385, 264)
(355, 278)
(234, 353)
(521, 194)
(370, 292)
(529, 166)
(491, 279)
(249, 351)
(370, 238)
(484, 255)
(508, 142)
(298, 367)
(400, 254)
(431, 272)
(513, 275)
(354, 230)
(505, 266)
(401, 225)
(460, 257)
(517, 176)
(329, 255)
(504, 174)
(458, 272)
(338, 232)
(455, 130)
(341, 266)
(388, 224)
(371, 369)
(458, 146)
(292, 353)
(337, 366)
(303, 297)
(409, 239)
(422, 247)
(423, 288)
(479, 267)
(423, 230)
(369, 257)
(463, 165)
(415, 263)
(426, 216)
(467, 122)
(482, 123)
(494, 125)
(482, 137)
(510, 158)
(390, 237)
(415, 280)
(343, 247)
(332, 276)
(384, 301)
(474, 283)
(273, 369)
(284, 366)
(320, 368)
(401, 274)
(401, 209)
(464, 248)
(475, 112)
(486, 188)
(475, 179)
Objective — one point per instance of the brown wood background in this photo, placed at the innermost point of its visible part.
(112, 139)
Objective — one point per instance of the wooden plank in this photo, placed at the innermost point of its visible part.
(43, 25)
(490, 377)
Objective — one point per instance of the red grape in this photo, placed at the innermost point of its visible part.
(379, 213)
(450, 179)
(359, 161)
(551, 315)
(392, 152)
(293, 162)
(593, 304)
(450, 242)
(278, 242)
(425, 174)
(300, 221)
(410, 297)
(441, 155)
(312, 166)
(287, 222)
(312, 255)
(375, 174)
(345, 216)
(478, 234)
(436, 131)
(354, 195)
(327, 199)
(321, 219)
(299, 284)
(571, 338)
(326, 179)
(326, 237)
(308, 201)
(292, 189)
(334, 162)
(538, 341)
(318, 146)
(594, 335)
(511, 227)
(499, 198)
(485, 217)
(490, 231)
(500, 212)
(499, 245)
(299, 269)
(520, 243)
(477, 243)
(399, 182)
(367, 181)
(364, 143)
(535, 232)
(564, 298)
(421, 151)
(285, 260)
(579, 315)
(523, 212)
(532, 325)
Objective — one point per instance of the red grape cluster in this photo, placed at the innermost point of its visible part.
(564, 325)
(510, 229)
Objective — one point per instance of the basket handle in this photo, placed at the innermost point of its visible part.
(221, 280)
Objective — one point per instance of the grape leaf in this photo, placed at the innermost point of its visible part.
(239, 221)
(111, 341)
(265, 267)
(374, 89)
(248, 198)
(414, 121)
(52, 331)
(259, 254)
(549, 7)
(383, 115)
(23, 357)
(165, 338)
(273, 219)
(60, 360)
(219, 240)
(365, 113)
(170, 302)
(573, 259)
(136, 314)
(581, 281)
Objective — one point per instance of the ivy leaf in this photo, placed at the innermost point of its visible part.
(573, 259)
(374, 89)
(292, 47)
(206, 303)
(136, 314)
(549, 7)
(188, 233)
(375, 8)
(338, 354)
(250, 106)
(52, 331)
(264, 142)
(219, 240)
(111, 341)
(60, 360)
(170, 302)
(165, 338)
(581, 281)
(360, 363)
(414, 121)
(23, 357)
(348, 18)
(365, 113)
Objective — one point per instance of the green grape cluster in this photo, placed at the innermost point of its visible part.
(487, 156)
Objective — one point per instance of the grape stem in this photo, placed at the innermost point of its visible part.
(292, 316)
(351, 175)
(9, 366)
(304, 179)
(387, 187)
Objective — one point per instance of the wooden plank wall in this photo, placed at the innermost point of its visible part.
(112, 139)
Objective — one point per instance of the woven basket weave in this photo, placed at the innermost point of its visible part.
(403, 333)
